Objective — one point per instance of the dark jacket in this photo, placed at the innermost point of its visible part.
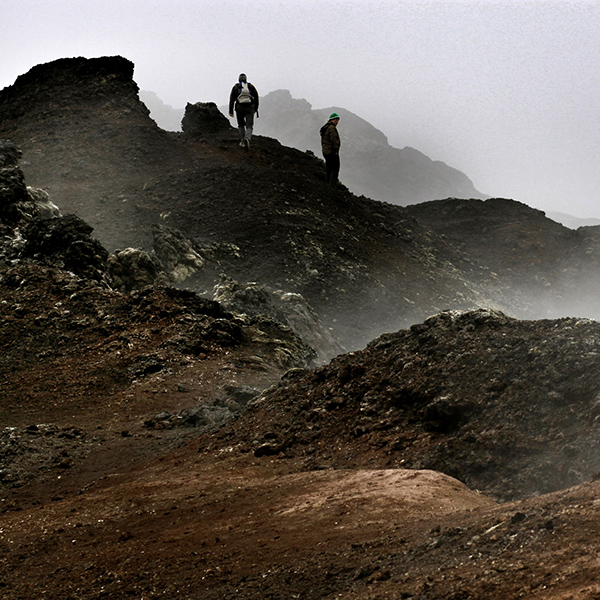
(330, 139)
(235, 92)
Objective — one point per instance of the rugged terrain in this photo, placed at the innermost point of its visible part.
(156, 442)
(267, 217)
(130, 467)
(371, 166)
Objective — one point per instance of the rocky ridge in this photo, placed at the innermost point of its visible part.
(267, 217)
(509, 407)
(370, 166)
(362, 267)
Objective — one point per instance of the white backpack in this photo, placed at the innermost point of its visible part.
(244, 97)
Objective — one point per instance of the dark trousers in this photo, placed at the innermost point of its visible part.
(245, 119)
(332, 168)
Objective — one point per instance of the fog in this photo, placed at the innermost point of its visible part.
(506, 92)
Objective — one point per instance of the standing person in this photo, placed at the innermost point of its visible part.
(245, 98)
(330, 144)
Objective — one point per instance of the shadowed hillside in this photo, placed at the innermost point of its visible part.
(266, 216)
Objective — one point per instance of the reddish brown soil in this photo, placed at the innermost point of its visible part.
(221, 525)
(109, 507)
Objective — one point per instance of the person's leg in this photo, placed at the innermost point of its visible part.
(335, 169)
(249, 123)
(327, 167)
(332, 168)
(239, 113)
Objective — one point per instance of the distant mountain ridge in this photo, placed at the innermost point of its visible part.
(370, 166)
(166, 117)
(570, 221)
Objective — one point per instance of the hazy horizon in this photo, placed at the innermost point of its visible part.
(504, 91)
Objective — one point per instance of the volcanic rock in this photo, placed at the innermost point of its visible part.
(66, 241)
(150, 445)
(20, 203)
(286, 308)
(508, 407)
(133, 269)
(267, 217)
(176, 254)
(362, 266)
(203, 118)
(548, 265)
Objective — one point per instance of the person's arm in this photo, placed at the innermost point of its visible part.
(254, 93)
(327, 142)
(232, 99)
(336, 141)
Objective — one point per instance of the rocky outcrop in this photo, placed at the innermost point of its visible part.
(133, 269)
(503, 234)
(175, 253)
(508, 407)
(173, 260)
(204, 118)
(286, 308)
(67, 243)
(20, 203)
(80, 121)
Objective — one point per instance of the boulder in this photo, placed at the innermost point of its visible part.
(175, 253)
(203, 118)
(290, 309)
(133, 269)
(66, 242)
(38, 205)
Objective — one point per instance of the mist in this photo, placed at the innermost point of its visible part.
(506, 92)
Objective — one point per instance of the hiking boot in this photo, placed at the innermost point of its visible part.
(242, 143)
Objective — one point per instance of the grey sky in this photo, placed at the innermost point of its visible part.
(507, 92)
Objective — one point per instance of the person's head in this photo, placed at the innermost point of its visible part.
(243, 77)
(334, 118)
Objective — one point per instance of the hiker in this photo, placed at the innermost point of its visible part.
(245, 98)
(330, 144)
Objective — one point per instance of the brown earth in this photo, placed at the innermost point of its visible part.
(103, 495)
(155, 445)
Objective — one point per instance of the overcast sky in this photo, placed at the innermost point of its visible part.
(507, 92)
